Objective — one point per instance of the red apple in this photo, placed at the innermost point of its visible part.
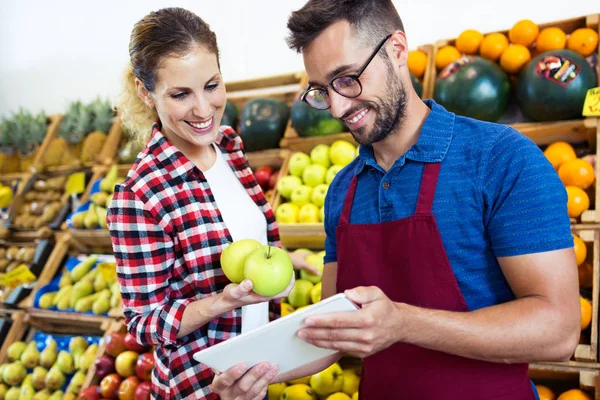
(128, 388)
(263, 175)
(133, 345)
(115, 344)
(125, 363)
(105, 365)
(91, 393)
(109, 386)
(273, 179)
(143, 391)
(144, 366)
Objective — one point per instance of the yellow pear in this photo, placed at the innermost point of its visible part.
(328, 381)
(298, 392)
(351, 381)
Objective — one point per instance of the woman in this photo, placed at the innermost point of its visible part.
(189, 193)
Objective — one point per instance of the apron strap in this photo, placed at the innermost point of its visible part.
(429, 181)
(345, 217)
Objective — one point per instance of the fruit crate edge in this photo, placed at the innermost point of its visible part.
(588, 375)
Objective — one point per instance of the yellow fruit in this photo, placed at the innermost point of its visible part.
(583, 41)
(469, 41)
(574, 394)
(55, 152)
(275, 390)
(315, 293)
(298, 392)
(551, 39)
(92, 146)
(355, 396)
(523, 32)
(577, 172)
(446, 55)
(286, 309)
(417, 62)
(305, 380)
(351, 381)
(559, 152)
(493, 45)
(578, 201)
(586, 312)
(514, 58)
(339, 396)
(545, 393)
(580, 249)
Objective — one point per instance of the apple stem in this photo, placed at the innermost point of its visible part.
(269, 252)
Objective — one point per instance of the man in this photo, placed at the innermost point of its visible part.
(452, 234)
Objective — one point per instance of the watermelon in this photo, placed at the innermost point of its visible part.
(553, 86)
(417, 85)
(308, 121)
(230, 115)
(473, 87)
(263, 122)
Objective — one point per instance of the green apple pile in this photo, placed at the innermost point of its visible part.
(269, 268)
(41, 375)
(333, 383)
(307, 289)
(305, 188)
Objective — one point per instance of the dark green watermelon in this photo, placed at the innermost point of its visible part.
(308, 121)
(473, 87)
(263, 122)
(417, 85)
(230, 115)
(553, 86)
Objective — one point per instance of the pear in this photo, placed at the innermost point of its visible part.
(14, 373)
(69, 396)
(84, 304)
(328, 381)
(76, 382)
(31, 356)
(27, 389)
(101, 305)
(89, 357)
(49, 354)
(64, 299)
(90, 221)
(43, 395)
(80, 290)
(101, 213)
(55, 379)
(39, 377)
(47, 299)
(78, 220)
(65, 280)
(90, 276)
(77, 347)
(57, 395)
(65, 363)
(83, 268)
(14, 393)
(115, 299)
(3, 390)
(15, 350)
(110, 180)
(100, 283)
(99, 198)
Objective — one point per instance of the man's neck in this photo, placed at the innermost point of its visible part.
(397, 143)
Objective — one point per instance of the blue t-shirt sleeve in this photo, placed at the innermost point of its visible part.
(330, 225)
(525, 203)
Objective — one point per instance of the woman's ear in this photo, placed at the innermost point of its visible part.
(143, 93)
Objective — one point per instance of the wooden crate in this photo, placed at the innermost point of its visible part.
(513, 116)
(593, 215)
(560, 378)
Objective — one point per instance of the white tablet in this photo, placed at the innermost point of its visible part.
(276, 342)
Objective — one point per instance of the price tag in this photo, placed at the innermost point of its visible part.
(108, 271)
(76, 183)
(17, 277)
(591, 106)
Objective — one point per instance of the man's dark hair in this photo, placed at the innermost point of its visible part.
(371, 20)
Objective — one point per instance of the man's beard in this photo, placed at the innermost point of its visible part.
(389, 111)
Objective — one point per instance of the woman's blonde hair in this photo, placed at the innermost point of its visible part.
(164, 33)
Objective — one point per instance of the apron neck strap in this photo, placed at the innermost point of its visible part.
(345, 217)
(429, 181)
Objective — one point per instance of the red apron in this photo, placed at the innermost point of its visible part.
(407, 261)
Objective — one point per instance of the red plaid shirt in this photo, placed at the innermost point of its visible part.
(168, 235)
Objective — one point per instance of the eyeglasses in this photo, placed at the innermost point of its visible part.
(347, 86)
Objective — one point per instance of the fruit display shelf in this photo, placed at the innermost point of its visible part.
(573, 381)
(267, 165)
(532, 102)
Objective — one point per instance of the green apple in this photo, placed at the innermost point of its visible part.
(301, 195)
(320, 155)
(309, 214)
(331, 173)
(298, 162)
(270, 269)
(287, 183)
(287, 213)
(318, 194)
(315, 261)
(234, 256)
(315, 293)
(322, 214)
(342, 152)
(328, 381)
(314, 175)
(300, 294)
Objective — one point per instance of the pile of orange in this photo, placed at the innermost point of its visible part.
(577, 174)
(513, 52)
(574, 394)
(417, 63)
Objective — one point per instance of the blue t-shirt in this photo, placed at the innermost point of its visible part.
(497, 196)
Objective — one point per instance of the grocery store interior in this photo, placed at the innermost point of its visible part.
(64, 147)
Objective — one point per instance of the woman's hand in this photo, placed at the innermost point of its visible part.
(235, 295)
(299, 262)
(241, 383)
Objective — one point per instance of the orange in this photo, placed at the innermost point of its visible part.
(551, 39)
(417, 61)
(446, 55)
(580, 249)
(545, 393)
(523, 32)
(586, 275)
(559, 152)
(468, 42)
(577, 172)
(493, 45)
(586, 312)
(513, 58)
(574, 394)
(578, 201)
(583, 41)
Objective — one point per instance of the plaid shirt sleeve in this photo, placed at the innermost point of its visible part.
(145, 255)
